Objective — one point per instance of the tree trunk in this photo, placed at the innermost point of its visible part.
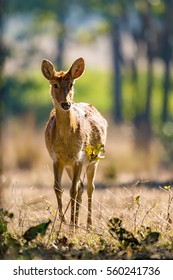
(166, 51)
(60, 47)
(149, 89)
(117, 109)
(136, 96)
(143, 120)
(166, 87)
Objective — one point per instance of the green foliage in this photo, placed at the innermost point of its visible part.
(3, 222)
(5, 216)
(25, 93)
(109, 8)
(13, 246)
(137, 200)
(39, 6)
(147, 236)
(82, 245)
(93, 153)
(95, 87)
(32, 232)
(167, 187)
(6, 238)
(134, 96)
(152, 237)
(29, 92)
(127, 239)
(124, 237)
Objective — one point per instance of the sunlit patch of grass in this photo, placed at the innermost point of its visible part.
(95, 87)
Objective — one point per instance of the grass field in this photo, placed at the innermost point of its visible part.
(132, 186)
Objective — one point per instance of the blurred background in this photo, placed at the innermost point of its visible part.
(127, 47)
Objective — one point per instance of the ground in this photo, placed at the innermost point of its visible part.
(132, 186)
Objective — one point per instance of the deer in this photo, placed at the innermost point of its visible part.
(70, 129)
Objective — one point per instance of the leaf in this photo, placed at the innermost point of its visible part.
(62, 241)
(4, 217)
(89, 150)
(114, 223)
(12, 241)
(167, 187)
(137, 200)
(54, 212)
(152, 237)
(143, 232)
(3, 226)
(32, 232)
(100, 148)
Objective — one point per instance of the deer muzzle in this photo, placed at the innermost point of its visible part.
(65, 105)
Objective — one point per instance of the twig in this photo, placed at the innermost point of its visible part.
(136, 213)
(53, 225)
(147, 212)
(170, 199)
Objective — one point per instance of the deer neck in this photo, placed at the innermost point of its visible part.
(66, 121)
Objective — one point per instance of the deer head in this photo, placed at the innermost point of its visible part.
(62, 82)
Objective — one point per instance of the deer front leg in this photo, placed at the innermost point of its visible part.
(58, 169)
(73, 191)
(90, 188)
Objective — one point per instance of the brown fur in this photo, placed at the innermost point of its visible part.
(72, 127)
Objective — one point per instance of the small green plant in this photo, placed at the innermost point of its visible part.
(6, 238)
(5, 216)
(127, 239)
(14, 245)
(93, 153)
(147, 236)
(33, 232)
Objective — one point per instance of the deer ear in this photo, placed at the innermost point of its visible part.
(77, 68)
(47, 69)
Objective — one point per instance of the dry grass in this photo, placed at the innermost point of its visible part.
(28, 193)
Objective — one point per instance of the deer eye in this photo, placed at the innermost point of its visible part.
(55, 86)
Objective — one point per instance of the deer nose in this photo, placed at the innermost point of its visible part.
(66, 105)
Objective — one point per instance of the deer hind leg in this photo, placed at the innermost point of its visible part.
(78, 201)
(58, 169)
(91, 171)
(74, 192)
